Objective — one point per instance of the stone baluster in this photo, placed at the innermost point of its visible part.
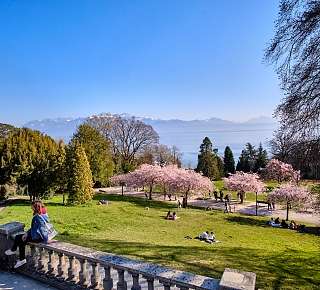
(33, 258)
(107, 281)
(122, 284)
(61, 266)
(83, 279)
(135, 280)
(41, 260)
(71, 269)
(166, 285)
(150, 281)
(50, 263)
(95, 275)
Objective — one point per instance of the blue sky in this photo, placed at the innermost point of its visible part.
(183, 59)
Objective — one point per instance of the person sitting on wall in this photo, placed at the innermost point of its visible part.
(38, 233)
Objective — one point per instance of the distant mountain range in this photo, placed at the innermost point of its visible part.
(186, 135)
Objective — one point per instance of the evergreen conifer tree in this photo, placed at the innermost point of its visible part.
(207, 160)
(98, 152)
(79, 185)
(229, 165)
(261, 158)
(247, 159)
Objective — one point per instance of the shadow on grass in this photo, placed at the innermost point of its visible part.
(249, 221)
(289, 269)
(141, 202)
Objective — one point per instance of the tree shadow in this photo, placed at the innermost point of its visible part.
(274, 271)
(248, 221)
(138, 201)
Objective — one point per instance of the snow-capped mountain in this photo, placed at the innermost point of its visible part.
(186, 135)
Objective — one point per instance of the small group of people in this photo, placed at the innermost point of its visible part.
(218, 196)
(283, 224)
(207, 237)
(172, 216)
(38, 233)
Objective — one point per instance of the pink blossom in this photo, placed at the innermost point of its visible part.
(290, 193)
(281, 171)
(244, 181)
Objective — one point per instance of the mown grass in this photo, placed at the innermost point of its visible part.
(282, 259)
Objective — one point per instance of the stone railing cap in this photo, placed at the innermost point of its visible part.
(10, 228)
(237, 280)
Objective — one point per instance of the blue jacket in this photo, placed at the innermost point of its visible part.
(38, 229)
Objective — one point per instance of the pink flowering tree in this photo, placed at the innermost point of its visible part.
(120, 179)
(246, 182)
(174, 179)
(291, 194)
(188, 182)
(281, 171)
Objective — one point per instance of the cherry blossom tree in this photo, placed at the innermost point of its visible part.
(121, 179)
(281, 171)
(246, 182)
(291, 194)
(174, 179)
(188, 182)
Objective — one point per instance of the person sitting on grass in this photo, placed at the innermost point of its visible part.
(168, 216)
(174, 216)
(284, 224)
(293, 225)
(277, 221)
(211, 237)
(204, 236)
(37, 234)
(271, 221)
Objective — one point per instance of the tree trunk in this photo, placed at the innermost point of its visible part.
(150, 193)
(287, 211)
(256, 203)
(122, 190)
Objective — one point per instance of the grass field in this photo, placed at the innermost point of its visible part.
(282, 259)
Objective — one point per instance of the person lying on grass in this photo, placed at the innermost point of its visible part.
(207, 237)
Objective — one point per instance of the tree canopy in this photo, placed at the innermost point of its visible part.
(98, 151)
(30, 158)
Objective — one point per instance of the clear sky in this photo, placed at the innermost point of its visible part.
(183, 59)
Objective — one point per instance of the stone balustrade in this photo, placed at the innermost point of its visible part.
(67, 266)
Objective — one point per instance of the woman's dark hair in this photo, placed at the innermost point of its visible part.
(37, 207)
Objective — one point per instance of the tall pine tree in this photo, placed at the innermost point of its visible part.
(207, 160)
(80, 182)
(229, 165)
(247, 159)
(261, 158)
(98, 151)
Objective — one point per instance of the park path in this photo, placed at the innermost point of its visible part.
(248, 208)
(14, 281)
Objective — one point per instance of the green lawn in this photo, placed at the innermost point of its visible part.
(282, 259)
